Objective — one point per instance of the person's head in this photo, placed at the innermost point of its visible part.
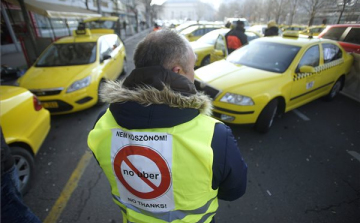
(240, 24)
(271, 23)
(167, 49)
(156, 25)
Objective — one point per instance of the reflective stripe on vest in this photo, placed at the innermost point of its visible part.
(171, 215)
(140, 171)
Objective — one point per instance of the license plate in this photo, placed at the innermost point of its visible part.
(50, 104)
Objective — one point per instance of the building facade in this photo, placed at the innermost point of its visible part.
(187, 10)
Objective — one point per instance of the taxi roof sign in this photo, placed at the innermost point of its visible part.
(294, 34)
(82, 30)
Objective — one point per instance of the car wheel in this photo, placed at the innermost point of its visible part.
(102, 81)
(266, 117)
(205, 61)
(24, 163)
(334, 90)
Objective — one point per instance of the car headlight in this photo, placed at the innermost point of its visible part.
(237, 99)
(79, 84)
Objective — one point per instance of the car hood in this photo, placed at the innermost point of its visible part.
(197, 46)
(54, 77)
(225, 75)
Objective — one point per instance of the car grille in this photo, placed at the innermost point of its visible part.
(201, 86)
(46, 92)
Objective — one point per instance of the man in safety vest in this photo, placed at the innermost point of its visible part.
(165, 158)
(236, 38)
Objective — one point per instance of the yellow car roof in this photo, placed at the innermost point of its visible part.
(111, 18)
(81, 38)
(296, 41)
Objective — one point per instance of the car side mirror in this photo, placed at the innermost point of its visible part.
(219, 53)
(105, 57)
(307, 69)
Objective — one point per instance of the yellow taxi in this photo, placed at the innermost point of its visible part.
(67, 75)
(194, 32)
(25, 124)
(204, 45)
(297, 28)
(220, 51)
(273, 75)
(313, 30)
(110, 25)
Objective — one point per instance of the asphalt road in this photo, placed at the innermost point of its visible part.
(305, 169)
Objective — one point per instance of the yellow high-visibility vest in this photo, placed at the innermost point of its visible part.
(158, 175)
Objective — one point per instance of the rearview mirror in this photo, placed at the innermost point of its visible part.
(307, 69)
(105, 57)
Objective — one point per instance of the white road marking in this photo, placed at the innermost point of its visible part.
(354, 154)
(301, 115)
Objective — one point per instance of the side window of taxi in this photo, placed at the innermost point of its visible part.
(220, 43)
(199, 32)
(105, 48)
(331, 52)
(113, 41)
(310, 58)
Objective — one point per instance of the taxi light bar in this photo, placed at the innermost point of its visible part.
(291, 34)
(82, 30)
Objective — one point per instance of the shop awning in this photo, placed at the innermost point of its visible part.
(55, 10)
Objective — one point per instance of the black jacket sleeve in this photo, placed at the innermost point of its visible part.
(229, 168)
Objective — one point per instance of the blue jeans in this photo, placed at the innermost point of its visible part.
(13, 208)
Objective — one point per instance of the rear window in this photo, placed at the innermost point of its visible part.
(334, 33)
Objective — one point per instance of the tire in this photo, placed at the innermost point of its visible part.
(334, 90)
(266, 117)
(205, 61)
(24, 162)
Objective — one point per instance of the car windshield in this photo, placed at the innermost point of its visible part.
(334, 33)
(68, 54)
(274, 57)
(180, 27)
(189, 30)
(210, 37)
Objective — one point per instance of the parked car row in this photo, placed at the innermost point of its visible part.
(65, 78)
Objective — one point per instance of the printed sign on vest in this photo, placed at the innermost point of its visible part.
(142, 164)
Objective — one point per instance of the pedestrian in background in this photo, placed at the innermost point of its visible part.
(156, 27)
(236, 38)
(272, 29)
(124, 26)
(165, 158)
(228, 25)
(13, 209)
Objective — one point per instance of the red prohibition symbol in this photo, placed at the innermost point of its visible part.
(122, 156)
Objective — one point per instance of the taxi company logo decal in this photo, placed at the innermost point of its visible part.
(164, 174)
(299, 76)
